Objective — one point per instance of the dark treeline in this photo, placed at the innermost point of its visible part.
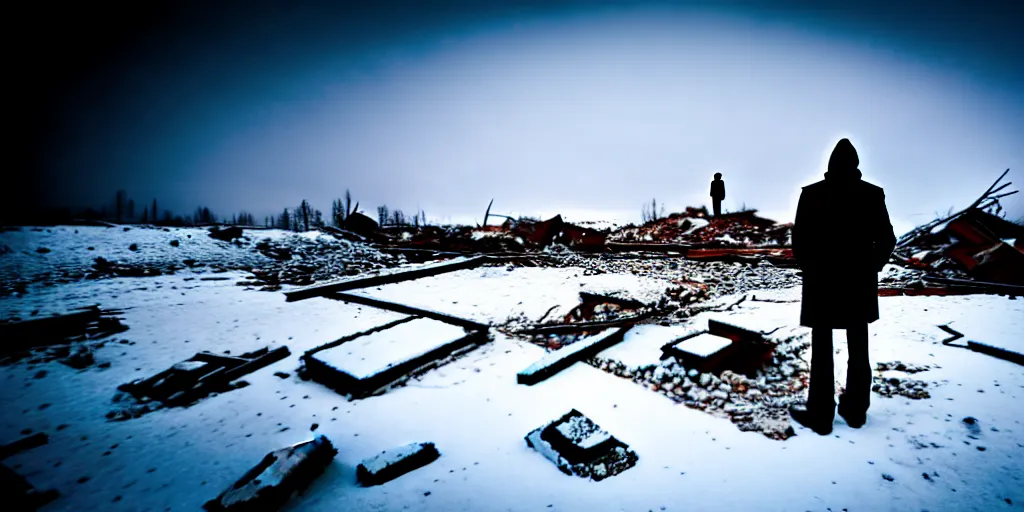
(123, 209)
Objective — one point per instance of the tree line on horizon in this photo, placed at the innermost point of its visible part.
(304, 217)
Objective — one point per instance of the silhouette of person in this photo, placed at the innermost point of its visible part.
(842, 237)
(717, 193)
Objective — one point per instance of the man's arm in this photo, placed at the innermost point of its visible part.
(800, 224)
(885, 239)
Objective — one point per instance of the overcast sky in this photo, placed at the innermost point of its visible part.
(587, 109)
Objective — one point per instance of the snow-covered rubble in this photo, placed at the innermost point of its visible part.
(959, 448)
(63, 254)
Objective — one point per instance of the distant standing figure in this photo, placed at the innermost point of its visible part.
(842, 237)
(718, 193)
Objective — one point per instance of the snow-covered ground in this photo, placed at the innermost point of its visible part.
(478, 416)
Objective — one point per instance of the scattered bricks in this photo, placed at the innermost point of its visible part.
(561, 359)
(578, 446)
(391, 464)
(366, 363)
(272, 482)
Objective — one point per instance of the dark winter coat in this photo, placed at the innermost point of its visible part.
(842, 238)
(717, 189)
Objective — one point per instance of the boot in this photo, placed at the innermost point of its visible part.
(814, 420)
(853, 419)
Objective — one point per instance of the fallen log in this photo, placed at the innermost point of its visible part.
(386, 278)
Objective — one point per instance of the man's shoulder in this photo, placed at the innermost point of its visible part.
(872, 188)
(814, 186)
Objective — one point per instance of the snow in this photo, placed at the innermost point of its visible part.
(582, 432)
(689, 460)
(703, 345)
(69, 247)
(373, 353)
(495, 295)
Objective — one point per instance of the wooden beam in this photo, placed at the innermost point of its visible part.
(386, 278)
(408, 310)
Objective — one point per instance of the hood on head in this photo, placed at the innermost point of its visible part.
(844, 161)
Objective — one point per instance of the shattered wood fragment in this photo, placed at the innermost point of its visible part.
(578, 446)
(556, 361)
(281, 474)
(191, 380)
(386, 278)
(88, 323)
(391, 464)
(588, 326)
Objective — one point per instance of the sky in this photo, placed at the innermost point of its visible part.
(588, 109)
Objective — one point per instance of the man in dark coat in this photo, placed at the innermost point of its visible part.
(717, 193)
(842, 238)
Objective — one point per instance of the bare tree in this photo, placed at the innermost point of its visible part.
(382, 215)
(650, 212)
(119, 201)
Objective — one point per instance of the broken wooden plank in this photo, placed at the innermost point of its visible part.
(25, 443)
(556, 361)
(588, 326)
(281, 474)
(386, 278)
(995, 288)
(391, 464)
(408, 310)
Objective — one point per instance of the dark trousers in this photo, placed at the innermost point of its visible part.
(857, 397)
(718, 206)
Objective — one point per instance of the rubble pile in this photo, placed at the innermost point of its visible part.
(698, 228)
(755, 403)
(973, 243)
(299, 260)
(909, 388)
